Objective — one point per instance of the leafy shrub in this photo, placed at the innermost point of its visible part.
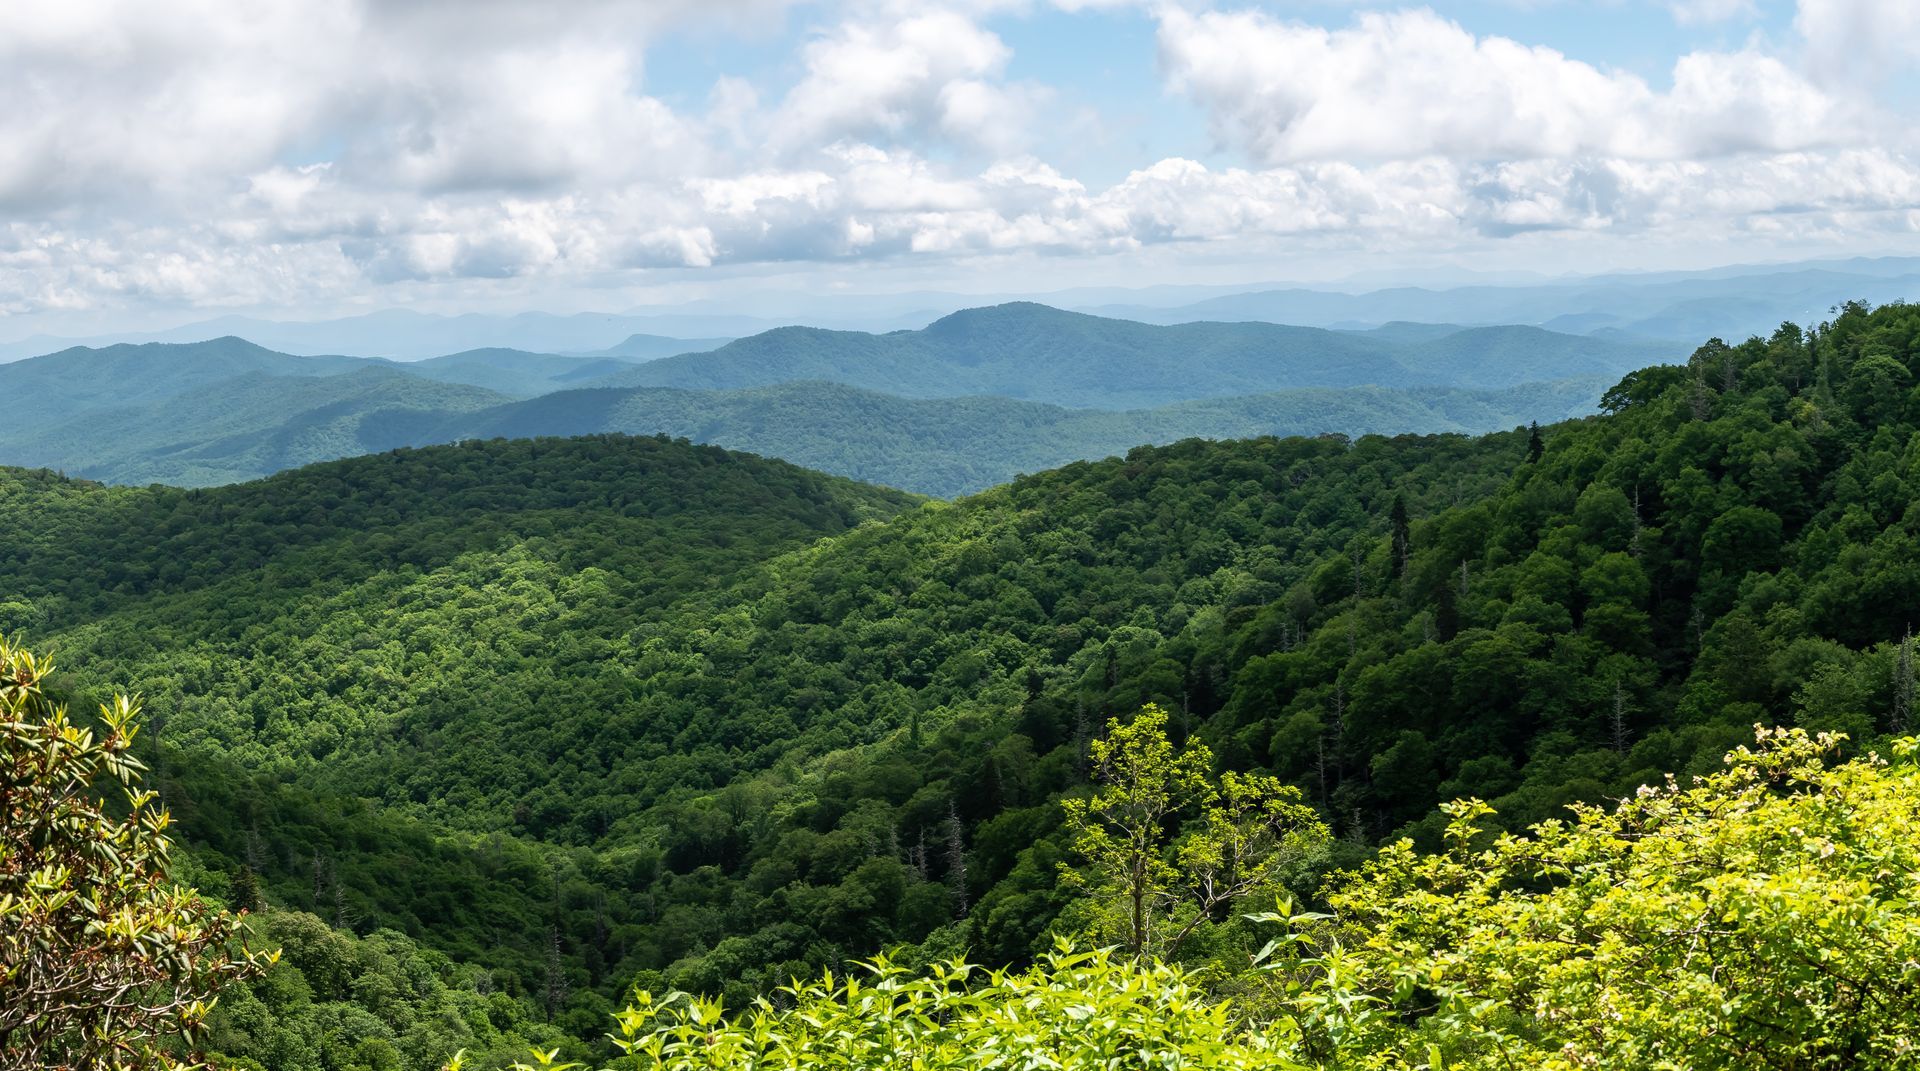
(1766, 916)
(101, 955)
(1072, 1010)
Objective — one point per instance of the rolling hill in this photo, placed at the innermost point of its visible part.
(256, 424)
(597, 711)
(1036, 353)
(653, 347)
(515, 372)
(245, 427)
(227, 410)
(953, 446)
(73, 381)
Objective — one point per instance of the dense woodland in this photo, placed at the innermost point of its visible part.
(605, 711)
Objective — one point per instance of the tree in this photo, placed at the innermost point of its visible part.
(1148, 891)
(246, 890)
(1402, 535)
(101, 955)
(1535, 445)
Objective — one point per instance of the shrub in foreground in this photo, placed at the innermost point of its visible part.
(1071, 1010)
(104, 962)
(1766, 916)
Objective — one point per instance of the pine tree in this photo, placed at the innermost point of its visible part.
(1536, 446)
(246, 890)
(1699, 401)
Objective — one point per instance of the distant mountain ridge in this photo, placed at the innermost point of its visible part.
(1037, 353)
(403, 334)
(965, 403)
(1667, 305)
(1688, 305)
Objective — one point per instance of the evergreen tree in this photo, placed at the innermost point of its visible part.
(246, 890)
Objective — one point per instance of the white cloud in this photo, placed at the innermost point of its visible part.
(296, 232)
(1411, 84)
(268, 154)
(1700, 12)
(118, 98)
(930, 71)
(1858, 40)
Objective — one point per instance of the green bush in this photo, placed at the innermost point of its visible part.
(1072, 1010)
(1766, 916)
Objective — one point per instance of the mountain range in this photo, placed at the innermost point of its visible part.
(567, 716)
(1037, 353)
(1693, 305)
(1728, 302)
(962, 404)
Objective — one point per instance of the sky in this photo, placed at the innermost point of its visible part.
(307, 158)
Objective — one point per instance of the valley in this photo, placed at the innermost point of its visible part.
(611, 708)
(961, 536)
(953, 409)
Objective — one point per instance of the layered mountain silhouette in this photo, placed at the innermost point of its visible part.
(967, 402)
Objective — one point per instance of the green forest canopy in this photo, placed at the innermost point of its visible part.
(576, 738)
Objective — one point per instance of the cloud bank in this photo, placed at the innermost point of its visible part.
(284, 153)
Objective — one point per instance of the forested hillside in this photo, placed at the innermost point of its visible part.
(581, 718)
(245, 427)
(953, 446)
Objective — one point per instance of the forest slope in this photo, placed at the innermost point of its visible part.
(954, 446)
(758, 765)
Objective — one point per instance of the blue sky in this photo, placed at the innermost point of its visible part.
(296, 159)
(1106, 59)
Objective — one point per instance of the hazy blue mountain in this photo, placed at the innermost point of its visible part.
(1506, 356)
(1037, 353)
(403, 334)
(1685, 305)
(1731, 302)
(964, 403)
(1403, 332)
(515, 371)
(244, 427)
(255, 424)
(81, 379)
(653, 347)
(78, 380)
